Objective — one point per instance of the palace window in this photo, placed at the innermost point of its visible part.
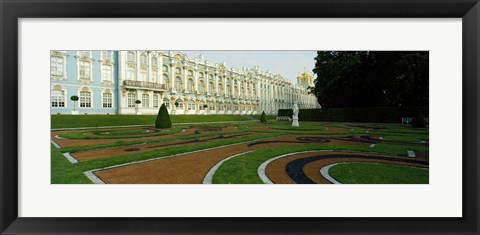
(229, 107)
(200, 107)
(155, 76)
(107, 72)
(200, 75)
(131, 57)
(165, 68)
(56, 66)
(154, 62)
(85, 99)
(178, 84)
(180, 104)
(85, 69)
(166, 81)
(143, 60)
(178, 70)
(145, 101)
(155, 101)
(211, 88)
(220, 89)
(235, 91)
(220, 107)
(131, 73)
(131, 100)
(190, 73)
(191, 105)
(236, 107)
(107, 55)
(107, 101)
(190, 85)
(166, 102)
(201, 87)
(212, 106)
(58, 98)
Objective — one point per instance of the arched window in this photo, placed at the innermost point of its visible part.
(211, 88)
(191, 105)
(220, 89)
(165, 68)
(145, 100)
(180, 103)
(131, 56)
(178, 84)
(235, 92)
(200, 75)
(56, 65)
(178, 70)
(166, 81)
(201, 87)
(85, 99)
(166, 102)
(190, 73)
(131, 99)
(190, 85)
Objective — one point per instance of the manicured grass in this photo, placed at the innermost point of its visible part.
(73, 173)
(117, 133)
(243, 169)
(71, 121)
(63, 172)
(406, 138)
(378, 173)
(268, 117)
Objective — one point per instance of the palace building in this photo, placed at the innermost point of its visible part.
(138, 82)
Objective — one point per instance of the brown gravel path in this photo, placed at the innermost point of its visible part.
(182, 169)
(109, 152)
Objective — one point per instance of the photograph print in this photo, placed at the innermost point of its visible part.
(239, 117)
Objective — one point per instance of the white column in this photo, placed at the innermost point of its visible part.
(160, 69)
(172, 77)
(195, 76)
(185, 79)
(149, 67)
(138, 65)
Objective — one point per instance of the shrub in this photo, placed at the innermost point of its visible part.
(163, 118)
(138, 102)
(74, 98)
(418, 120)
(263, 118)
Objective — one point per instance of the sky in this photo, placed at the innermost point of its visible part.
(287, 63)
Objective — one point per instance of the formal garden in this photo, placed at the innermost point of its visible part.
(372, 129)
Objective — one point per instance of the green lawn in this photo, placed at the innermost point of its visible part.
(71, 121)
(243, 169)
(378, 173)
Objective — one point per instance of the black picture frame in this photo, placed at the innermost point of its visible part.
(11, 11)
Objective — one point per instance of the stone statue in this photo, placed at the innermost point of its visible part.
(295, 115)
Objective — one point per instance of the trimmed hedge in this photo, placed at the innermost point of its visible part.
(376, 114)
(163, 119)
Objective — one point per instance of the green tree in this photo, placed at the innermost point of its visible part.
(163, 118)
(371, 79)
(262, 117)
(74, 98)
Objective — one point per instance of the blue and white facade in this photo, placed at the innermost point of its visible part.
(139, 82)
(90, 75)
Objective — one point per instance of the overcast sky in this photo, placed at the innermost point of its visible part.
(287, 63)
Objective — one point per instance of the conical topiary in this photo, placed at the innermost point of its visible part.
(418, 120)
(263, 118)
(163, 118)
